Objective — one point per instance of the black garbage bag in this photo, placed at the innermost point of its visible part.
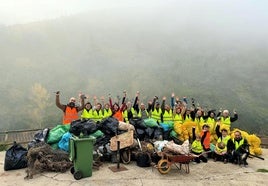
(158, 133)
(85, 127)
(140, 134)
(16, 157)
(76, 127)
(102, 141)
(149, 132)
(40, 136)
(138, 123)
(89, 127)
(143, 159)
(109, 126)
(166, 135)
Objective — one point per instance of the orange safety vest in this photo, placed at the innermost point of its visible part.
(118, 115)
(206, 142)
(70, 114)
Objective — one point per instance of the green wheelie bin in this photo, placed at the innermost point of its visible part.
(81, 153)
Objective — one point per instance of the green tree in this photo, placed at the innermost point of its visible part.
(39, 103)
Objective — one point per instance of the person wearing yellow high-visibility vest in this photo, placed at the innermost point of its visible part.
(167, 113)
(130, 110)
(221, 145)
(225, 118)
(220, 152)
(199, 120)
(238, 149)
(143, 112)
(210, 120)
(188, 115)
(97, 113)
(197, 148)
(156, 112)
(178, 109)
(87, 112)
(107, 111)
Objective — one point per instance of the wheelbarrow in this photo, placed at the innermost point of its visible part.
(167, 160)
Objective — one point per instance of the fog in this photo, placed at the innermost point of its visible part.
(214, 51)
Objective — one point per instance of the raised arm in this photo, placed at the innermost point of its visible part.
(136, 105)
(163, 103)
(172, 101)
(123, 101)
(82, 106)
(57, 101)
(232, 119)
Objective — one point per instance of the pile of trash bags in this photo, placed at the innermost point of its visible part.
(149, 136)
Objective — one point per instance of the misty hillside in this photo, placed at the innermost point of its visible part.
(101, 52)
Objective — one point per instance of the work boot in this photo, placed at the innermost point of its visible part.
(245, 163)
(235, 162)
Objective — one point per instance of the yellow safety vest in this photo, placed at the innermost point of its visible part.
(217, 149)
(167, 116)
(178, 118)
(134, 112)
(199, 122)
(211, 122)
(197, 147)
(224, 140)
(237, 145)
(87, 114)
(125, 114)
(97, 116)
(140, 113)
(226, 121)
(107, 113)
(156, 115)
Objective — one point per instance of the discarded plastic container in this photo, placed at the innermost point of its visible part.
(81, 153)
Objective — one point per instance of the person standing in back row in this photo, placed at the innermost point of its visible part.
(87, 112)
(226, 120)
(117, 111)
(156, 112)
(70, 110)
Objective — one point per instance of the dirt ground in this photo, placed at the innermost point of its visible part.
(211, 173)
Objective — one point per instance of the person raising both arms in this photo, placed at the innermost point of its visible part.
(107, 111)
(117, 111)
(70, 110)
(225, 118)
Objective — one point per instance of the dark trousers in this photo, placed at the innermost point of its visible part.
(220, 157)
(200, 158)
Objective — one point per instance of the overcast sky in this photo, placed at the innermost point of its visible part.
(24, 11)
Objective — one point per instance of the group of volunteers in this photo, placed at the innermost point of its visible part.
(180, 112)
